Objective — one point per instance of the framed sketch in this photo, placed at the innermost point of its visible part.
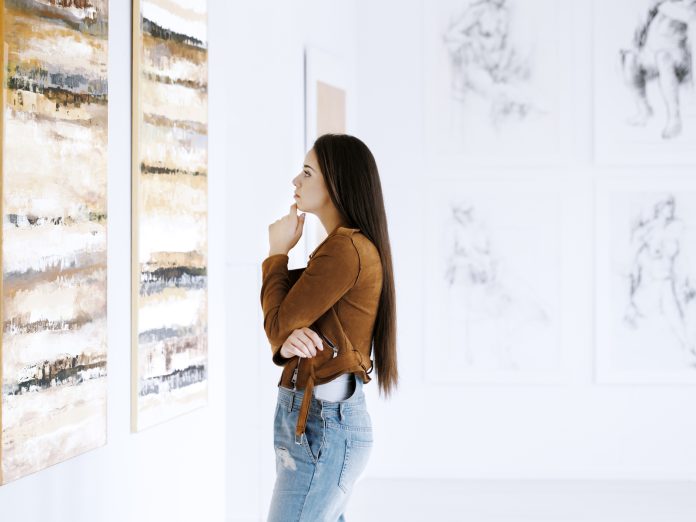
(492, 291)
(54, 174)
(170, 168)
(493, 80)
(646, 281)
(329, 108)
(645, 95)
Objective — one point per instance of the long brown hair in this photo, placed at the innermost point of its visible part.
(352, 179)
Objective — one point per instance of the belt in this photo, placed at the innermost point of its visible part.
(304, 407)
(309, 388)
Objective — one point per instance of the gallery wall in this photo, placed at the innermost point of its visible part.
(568, 419)
(218, 462)
(175, 470)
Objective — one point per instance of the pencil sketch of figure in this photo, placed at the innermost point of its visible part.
(492, 308)
(484, 62)
(659, 285)
(662, 51)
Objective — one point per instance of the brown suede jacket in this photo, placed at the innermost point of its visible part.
(337, 296)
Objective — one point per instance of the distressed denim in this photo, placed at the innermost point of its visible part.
(314, 479)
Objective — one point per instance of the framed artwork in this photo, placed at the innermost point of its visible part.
(54, 174)
(646, 281)
(645, 96)
(170, 168)
(329, 108)
(493, 80)
(492, 283)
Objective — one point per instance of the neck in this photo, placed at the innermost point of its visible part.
(331, 220)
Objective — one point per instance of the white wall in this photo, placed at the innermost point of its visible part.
(174, 471)
(573, 430)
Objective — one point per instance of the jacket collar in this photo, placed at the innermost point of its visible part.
(332, 233)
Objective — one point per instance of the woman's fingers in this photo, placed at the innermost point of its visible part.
(303, 342)
(308, 341)
(305, 352)
(292, 350)
(297, 351)
(287, 351)
(315, 337)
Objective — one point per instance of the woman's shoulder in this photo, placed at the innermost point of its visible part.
(365, 247)
(345, 239)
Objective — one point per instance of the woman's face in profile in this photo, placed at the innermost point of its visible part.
(311, 193)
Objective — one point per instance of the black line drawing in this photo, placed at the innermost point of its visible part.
(495, 309)
(486, 64)
(659, 282)
(662, 51)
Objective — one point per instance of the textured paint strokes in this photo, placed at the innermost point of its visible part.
(54, 120)
(170, 219)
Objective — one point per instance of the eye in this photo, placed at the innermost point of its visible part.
(307, 173)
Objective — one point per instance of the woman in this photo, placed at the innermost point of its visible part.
(322, 322)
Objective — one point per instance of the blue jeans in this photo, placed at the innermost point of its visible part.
(314, 479)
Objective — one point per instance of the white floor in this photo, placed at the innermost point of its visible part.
(522, 501)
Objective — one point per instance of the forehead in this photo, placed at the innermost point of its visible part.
(311, 159)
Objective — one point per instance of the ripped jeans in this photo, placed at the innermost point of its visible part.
(314, 479)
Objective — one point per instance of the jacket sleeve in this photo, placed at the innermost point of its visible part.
(294, 275)
(330, 273)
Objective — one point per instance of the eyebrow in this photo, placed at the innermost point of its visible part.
(308, 167)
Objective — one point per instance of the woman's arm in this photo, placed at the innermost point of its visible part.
(294, 275)
(330, 273)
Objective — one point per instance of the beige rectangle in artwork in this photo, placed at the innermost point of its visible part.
(54, 165)
(170, 210)
(331, 109)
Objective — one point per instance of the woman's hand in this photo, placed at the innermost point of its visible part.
(303, 342)
(284, 233)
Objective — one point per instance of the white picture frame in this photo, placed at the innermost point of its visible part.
(632, 122)
(478, 115)
(645, 265)
(493, 283)
(329, 80)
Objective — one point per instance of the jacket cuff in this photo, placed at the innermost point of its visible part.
(278, 359)
(274, 262)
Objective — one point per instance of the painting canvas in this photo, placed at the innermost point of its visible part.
(492, 79)
(170, 168)
(54, 166)
(492, 283)
(646, 294)
(645, 94)
(329, 107)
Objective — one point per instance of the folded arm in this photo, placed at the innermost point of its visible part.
(332, 271)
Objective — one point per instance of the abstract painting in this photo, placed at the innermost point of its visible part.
(328, 109)
(647, 286)
(644, 85)
(170, 169)
(492, 78)
(54, 166)
(493, 280)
